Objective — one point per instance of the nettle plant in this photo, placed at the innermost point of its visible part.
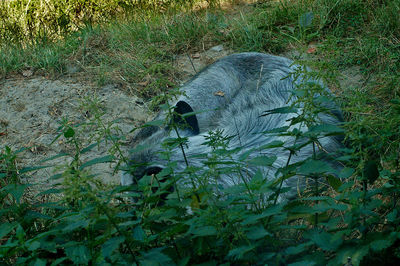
(185, 217)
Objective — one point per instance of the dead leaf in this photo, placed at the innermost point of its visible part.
(219, 93)
(196, 56)
(311, 50)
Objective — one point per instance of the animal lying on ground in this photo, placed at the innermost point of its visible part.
(232, 96)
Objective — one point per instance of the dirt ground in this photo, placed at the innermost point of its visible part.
(31, 108)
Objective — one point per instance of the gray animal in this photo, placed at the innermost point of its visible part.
(236, 91)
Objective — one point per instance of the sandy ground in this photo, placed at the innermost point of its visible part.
(31, 108)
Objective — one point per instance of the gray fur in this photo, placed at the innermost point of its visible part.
(237, 90)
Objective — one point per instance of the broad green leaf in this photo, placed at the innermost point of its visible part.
(33, 246)
(315, 167)
(273, 144)
(79, 254)
(253, 218)
(392, 216)
(32, 168)
(323, 206)
(237, 253)
(157, 123)
(355, 252)
(326, 129)
(370, 171)
(334, 182)
(298, 249)
(62, 154)
(89, 148)
(156, 256)
(381, 244)
(20, 233)
(263, 160)
(79, 224)
(39, 262)
(59, 261)
(104, 159)
(6, 228)
(138, 233)
(303, 263)
(257, 232)
(110, 245)
(326, 241)
(204, 231)
(16, 190)
(50, 191)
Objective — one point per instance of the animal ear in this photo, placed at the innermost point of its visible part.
(184, 116)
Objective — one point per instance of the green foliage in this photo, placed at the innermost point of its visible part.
(41, 20)
(353, 219)
(85, 222)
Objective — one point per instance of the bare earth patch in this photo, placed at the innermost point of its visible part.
(31, 108)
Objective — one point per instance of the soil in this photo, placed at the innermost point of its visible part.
(31, 108)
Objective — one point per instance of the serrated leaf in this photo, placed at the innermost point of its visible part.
(346, 172)
(370, 171)
(79, 254)
(334, 182)
(253, 218)
(16, 190)
(273, 144)
(20, 233)
(315, 167)
(6, 228)
(356, 254)
(297, 249)
(39, 262)
(326, 241)
(237, 253)
(104, 159)
(73, 226)
(381, 244)
(257, 232)
(392, 216)
(303, 263)
(138, 233)
(204, 231)
(263, 160)
(50, 191)
(33, 246)
(110, 245)
(155, 255)
(327, 129)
